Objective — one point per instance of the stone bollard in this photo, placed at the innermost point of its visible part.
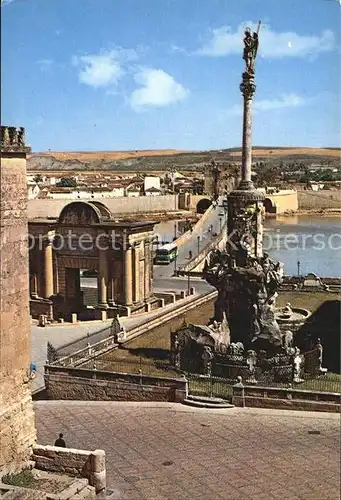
(60, 320)
(192, 290)
(97, 470)
(238, 394)
(74, 318)
(42, 320)
(104, 315)
(161, 303)
(182, 294)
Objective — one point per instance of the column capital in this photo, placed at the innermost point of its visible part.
(248, 87)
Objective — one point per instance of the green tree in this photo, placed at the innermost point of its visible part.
(67, 182)
(38, 178)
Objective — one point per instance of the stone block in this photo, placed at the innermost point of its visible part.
(74, 318)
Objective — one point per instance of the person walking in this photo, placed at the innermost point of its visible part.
(60, 441)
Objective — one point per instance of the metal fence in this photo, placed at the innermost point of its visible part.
(203, 385)
(56, 353)
(140, 365)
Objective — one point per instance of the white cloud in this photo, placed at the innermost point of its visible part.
(284, 101)
(103, 69)
(44, 63)
(223, 41)
(157, 88)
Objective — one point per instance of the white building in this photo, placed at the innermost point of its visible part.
(151, 181)
(32, 190)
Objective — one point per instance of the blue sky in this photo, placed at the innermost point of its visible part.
(151, 74)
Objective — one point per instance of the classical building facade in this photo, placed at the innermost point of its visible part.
(85, 237)
(17, 429)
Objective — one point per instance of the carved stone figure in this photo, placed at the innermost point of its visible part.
(207, 359)
(251, 362)
(297, 365)
(177, 353)
(319, 347)
(250, 50)
(255, 287)
(287, 339)
(236, 349)
(21, 136)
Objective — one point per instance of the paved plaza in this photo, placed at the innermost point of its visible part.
(170, 451)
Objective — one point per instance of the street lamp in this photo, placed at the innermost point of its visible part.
(175, 231)
(221, 223)
(298, 267)
(198, 239)
(175, 259)
(188, 281)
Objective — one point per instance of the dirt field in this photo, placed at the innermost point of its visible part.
(291, 151)
(107, 155)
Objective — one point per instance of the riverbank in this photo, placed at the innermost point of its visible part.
(321, 212)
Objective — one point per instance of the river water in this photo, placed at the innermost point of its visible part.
(313, 241)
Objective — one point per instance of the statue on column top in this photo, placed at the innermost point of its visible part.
(250, 49)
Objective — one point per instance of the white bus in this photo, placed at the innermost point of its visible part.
(166, 254)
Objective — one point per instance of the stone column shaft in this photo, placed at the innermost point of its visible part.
(34, 285)
(137, 297)
(247, 141)
(128, 277)
(147, 271)
(103, 279)
(48, 269)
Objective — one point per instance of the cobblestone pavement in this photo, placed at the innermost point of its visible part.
(169, 451)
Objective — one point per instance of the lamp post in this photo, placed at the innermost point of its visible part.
(198, 240)
(298, 267)
(175, 231)
(221, 223)
(175, 259)
(188, 281)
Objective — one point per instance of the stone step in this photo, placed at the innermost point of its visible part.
(206, 399)
(207, 402)
(87, 493)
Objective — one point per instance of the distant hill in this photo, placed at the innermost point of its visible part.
(160, 160)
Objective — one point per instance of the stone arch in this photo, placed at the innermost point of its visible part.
(104, 210)
(270, 206)
(203, 205)
(79, 213)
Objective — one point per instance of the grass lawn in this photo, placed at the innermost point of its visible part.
(330, 382)
(306, 300)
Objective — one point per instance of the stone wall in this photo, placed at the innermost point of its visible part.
(285, 398)
(120, 205)
(96, 385)
(284, 201)
(17, 429)
(88, 464)
(311, 200)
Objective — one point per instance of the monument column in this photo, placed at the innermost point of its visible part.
(48, 267)
(103, 278)
(137, 273)
(128, 276)
(248, 89)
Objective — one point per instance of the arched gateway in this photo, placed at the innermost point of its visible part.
(85, 236)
